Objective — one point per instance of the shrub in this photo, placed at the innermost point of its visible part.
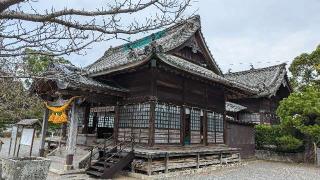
(288, 143)
(265, 135)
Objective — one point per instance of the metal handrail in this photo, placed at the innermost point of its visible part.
(122, 148)
(97, 146)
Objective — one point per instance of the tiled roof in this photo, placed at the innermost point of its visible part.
(233, 107)
(28, 122)
(130, 54)
(267, 80)
(69, 76)
(203, 72)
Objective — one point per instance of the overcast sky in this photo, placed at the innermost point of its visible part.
(240, 33)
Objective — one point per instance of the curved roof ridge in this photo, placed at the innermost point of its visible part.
(167, 39)
(267, 79)
(282, 65)
(180, 23)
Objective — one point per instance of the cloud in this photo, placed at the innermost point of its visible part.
(240, 32)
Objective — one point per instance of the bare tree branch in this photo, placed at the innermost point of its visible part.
(70, 30)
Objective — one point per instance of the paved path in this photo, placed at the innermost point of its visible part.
(261, 170)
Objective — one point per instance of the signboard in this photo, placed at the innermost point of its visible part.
(102, 109)
(26, 136)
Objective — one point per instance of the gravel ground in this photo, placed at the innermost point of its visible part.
(260, 170)
(251, 170)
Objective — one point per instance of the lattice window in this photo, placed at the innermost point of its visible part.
(250, 117)
(106, 119)
(101, 116)
(141, 115)
(80, 117)
(125, 117)
(109, 120)
(195, 119)
(91, 116)
(219, 122)
(167, 116)
(136, 115)
(211, 122)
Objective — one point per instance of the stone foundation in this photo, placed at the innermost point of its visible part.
(86, 139)
(279, 156)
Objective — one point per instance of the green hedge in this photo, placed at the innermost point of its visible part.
(288, 143)
(265, 135)
(272, 137)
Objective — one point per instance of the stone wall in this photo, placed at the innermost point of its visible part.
(279, 156)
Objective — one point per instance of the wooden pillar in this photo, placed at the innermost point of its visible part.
(198, 161)
(116, 124)
(225, 133)
(182, 122)
(166, 163)
(72, 137)
(86, 119)
(205, 127)
(43, 132)
(149, 170)
(152, 123)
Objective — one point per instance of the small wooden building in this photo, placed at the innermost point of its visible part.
(272, 84)
(240, 131)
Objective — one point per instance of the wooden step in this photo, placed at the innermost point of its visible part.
(94, 173)
(101, 163)
(121, 154)
(98, 168)
(116, 159)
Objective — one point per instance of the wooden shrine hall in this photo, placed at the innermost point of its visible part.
(273, 84)
(164, 91)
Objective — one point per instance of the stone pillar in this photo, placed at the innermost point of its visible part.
(72, 137)
(43, 132)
